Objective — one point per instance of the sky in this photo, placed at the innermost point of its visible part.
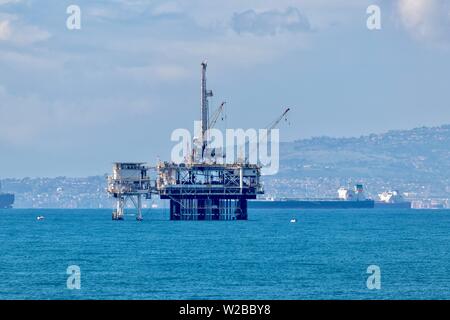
(74, 101)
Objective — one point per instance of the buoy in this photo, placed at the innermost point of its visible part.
(293, 220)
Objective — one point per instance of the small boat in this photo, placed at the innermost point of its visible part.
(40, 218)
(293, 220)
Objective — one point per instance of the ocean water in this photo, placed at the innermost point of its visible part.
(324, 255)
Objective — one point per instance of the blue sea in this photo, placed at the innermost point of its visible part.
(324, 255)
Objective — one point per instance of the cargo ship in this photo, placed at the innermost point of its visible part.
(6, 199)
(392, 200)
(347, 199)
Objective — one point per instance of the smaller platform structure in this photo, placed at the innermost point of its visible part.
(130, 181)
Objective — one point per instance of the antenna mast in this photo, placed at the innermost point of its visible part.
(204, 106)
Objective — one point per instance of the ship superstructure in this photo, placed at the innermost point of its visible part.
(391, 197)
(392, 200)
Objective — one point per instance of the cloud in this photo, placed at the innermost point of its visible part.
(26, 34)
(167, 8)
(270, 22)
(5, 30)
(425, 19)
(29, 61)
(19, 33)
(102, 12)
(30, 120)
(162, 72)
(8, 1)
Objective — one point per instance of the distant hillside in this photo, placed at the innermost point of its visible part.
(421, 153)
(415, 161)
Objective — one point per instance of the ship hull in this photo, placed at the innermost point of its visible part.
(6, 200)
(398, 205)
(311, 204)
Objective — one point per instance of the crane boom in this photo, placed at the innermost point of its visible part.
(216, 115)
(277, 121)
(269, 128)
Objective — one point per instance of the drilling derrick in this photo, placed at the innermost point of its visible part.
(205, 94)
(203, 189)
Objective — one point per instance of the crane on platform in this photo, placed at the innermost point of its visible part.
(277, 120)
(212, 122)
(269, 128)
(216, 114)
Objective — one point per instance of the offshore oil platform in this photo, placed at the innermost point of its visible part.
(199, 188)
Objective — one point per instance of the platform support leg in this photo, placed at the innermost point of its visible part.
(241, 210)
(201, 209)
(120, 204)
(139, 208)
(174, 210)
